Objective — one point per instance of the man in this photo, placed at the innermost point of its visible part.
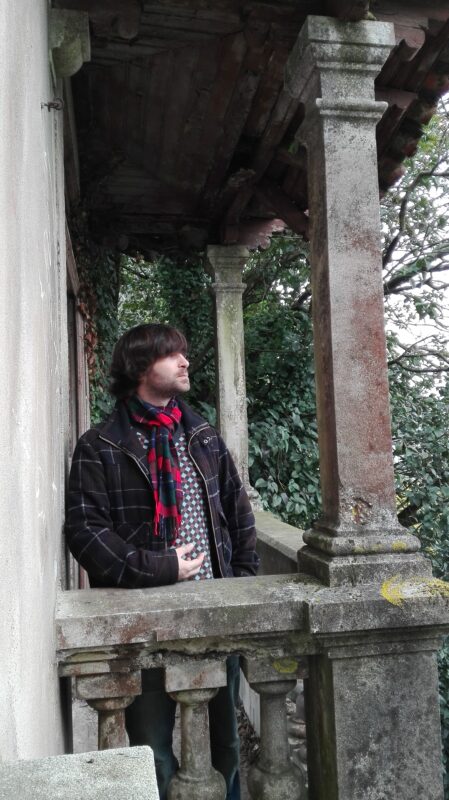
(154, 498)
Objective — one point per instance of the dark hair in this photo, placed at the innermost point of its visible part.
(137, 350)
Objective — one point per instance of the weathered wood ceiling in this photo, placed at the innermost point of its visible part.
(183, 124)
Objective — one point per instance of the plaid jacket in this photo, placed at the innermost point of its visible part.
(110, 506)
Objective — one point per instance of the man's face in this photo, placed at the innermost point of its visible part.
(167, 376)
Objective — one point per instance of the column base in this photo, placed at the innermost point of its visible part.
(357, 569)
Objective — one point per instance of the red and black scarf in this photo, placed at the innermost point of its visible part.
(163, 463)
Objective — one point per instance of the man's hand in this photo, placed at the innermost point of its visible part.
(187, 568)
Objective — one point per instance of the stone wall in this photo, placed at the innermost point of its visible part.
(33, 360)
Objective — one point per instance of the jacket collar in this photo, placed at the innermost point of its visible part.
(191, 421)
(118, 429)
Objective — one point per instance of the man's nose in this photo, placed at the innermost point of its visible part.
(183, 360)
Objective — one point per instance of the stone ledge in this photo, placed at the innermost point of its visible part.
(410, 603)
(277, 544)
(126, 774)
(232, 615)
(100, 618)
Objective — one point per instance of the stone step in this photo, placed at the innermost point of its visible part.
(122, 774)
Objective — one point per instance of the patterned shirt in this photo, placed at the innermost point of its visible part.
(194, 523)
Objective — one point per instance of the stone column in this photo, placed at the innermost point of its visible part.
(193, 684)
(110, 694)
(372, 709)
(228, 262)
(377, 709)
(332, 70)
(274, 774)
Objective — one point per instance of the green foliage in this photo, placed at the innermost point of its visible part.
(283, 452)
(177, 294)
(421, 447)
(104, 276)
(99, 272)
(416, 229)
(140, 298)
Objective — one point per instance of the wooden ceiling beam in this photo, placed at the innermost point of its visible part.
(284, 207)
(281, 117)
(121, 17)
(210, 21)
(296, 160)
(395, 97)
(239, 108)
(347, 10)
(206, 139)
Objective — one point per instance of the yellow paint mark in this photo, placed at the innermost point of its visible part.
(396, 590)
(285, 666)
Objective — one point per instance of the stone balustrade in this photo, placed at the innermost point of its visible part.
(368, 661)
(106, 637)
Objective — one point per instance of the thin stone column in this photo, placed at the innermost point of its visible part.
(332, 70)
(228, 263)
(109, 695)
(274, 775)
(193, 684)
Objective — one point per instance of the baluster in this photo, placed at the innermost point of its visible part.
(273, 775)
(109, 694)
(193, 684)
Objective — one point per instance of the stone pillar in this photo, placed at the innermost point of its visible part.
(110, 694)
(274, 774)
(193, 684)
(332, 70)
(377, 709)
(372, 709)
(228, 262)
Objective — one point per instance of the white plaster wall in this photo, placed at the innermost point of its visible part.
(33, 383)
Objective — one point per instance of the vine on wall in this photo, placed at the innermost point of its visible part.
(99, 273)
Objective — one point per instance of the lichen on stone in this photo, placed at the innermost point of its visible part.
(397, 590)
(285, 666)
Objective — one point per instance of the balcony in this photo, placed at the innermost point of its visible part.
(368, 663)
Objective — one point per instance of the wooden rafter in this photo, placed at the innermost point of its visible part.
(347, 10)
(284, 208)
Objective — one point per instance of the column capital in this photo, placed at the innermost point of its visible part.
(228, 262)
(109, 694)
(69, 40)
(191, 674)
(337, 62)
(227, 256)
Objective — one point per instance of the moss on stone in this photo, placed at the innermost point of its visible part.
(396, 590)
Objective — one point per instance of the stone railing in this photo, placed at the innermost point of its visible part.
(355, 645)
(106, 637)
(278, 545)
